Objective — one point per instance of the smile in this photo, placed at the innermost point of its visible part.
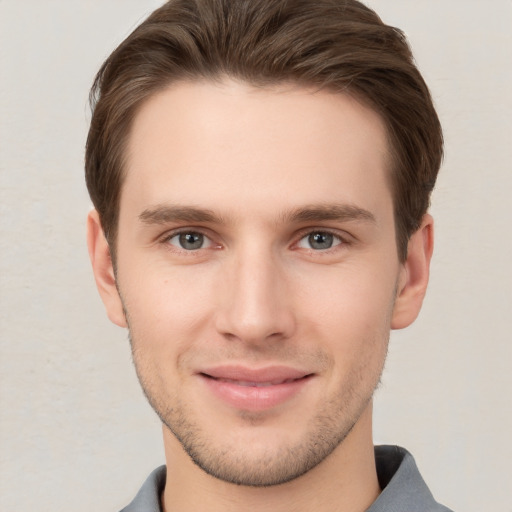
(254, 390)
(257, 384)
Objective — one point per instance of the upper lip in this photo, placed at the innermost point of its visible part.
(268, 374)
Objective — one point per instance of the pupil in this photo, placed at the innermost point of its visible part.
(320, 240)
(191, 240)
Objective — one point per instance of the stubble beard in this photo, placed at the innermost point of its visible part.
(326, 431)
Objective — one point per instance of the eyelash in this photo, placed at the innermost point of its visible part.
(343, 240)
(165, 240)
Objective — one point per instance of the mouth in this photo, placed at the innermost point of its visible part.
(255, 389)
(254, 384)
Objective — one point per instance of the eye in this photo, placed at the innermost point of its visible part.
(319, 241)
(189, 240)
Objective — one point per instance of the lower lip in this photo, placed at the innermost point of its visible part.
(253, 398)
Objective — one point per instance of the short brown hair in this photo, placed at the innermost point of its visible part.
(340, 45)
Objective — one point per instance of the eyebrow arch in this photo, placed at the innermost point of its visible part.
(322, 212)
(162, 214)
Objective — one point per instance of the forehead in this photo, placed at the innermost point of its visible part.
(230, 145)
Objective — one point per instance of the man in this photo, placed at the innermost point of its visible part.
(261, 174)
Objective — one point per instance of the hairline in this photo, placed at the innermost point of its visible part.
(220, 78)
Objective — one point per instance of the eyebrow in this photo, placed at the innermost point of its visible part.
(322, 212)
(163, 214)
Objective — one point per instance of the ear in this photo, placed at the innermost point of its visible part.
(99, 253)
(414, 275)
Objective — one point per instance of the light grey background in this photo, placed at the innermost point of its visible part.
(75, 431)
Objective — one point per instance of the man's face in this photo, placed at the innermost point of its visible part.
(258, 270)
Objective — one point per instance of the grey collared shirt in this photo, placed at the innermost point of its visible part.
(403, 488)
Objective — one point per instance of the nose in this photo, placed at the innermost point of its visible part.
(255, 300)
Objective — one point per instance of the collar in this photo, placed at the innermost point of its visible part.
(403, 488)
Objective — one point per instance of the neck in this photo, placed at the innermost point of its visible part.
(345, 480)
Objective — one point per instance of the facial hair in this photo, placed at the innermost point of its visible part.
(325, 431)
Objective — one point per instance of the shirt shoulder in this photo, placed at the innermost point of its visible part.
(403, 488)
(148, 497)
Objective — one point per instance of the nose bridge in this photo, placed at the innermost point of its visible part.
(256, 305)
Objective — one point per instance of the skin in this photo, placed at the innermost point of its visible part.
(253, 174)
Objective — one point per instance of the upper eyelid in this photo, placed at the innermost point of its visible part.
(171, 233)
(164, 240)
(342, 235)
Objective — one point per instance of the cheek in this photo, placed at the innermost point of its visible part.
(353, 295)
(166, 306)
(350, 310)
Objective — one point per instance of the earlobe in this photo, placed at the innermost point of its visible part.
(99, 253)
(413, 281)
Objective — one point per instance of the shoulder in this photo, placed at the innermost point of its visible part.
(148, 497)
(403, 487)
